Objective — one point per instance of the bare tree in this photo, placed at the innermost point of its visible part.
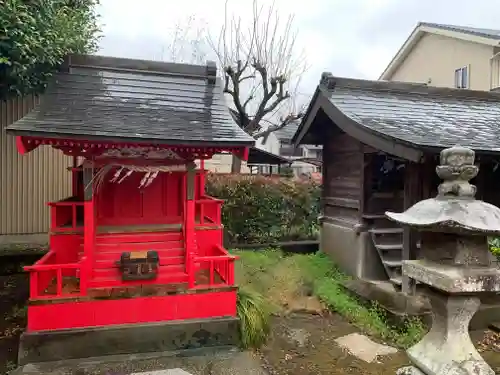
(188, 42)
(259, 63)
(261, 71)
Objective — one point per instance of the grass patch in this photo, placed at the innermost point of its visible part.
(282, 279)
(254, 318)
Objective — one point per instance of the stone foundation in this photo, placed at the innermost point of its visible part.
(127, 339)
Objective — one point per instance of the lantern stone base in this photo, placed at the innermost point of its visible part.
(447, 349)
(454, 294)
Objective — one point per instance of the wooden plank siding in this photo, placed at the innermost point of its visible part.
(27, 182)
(342, 179)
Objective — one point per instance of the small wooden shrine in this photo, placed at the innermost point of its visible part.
(138, 241)
(381, 143)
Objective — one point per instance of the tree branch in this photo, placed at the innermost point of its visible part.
(283, 122)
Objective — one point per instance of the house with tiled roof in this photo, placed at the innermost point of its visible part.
(306, 159)
(448, 56)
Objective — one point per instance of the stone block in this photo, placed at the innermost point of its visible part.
(127, 339)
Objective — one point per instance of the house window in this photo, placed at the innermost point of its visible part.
(462, 78)
(290, 150)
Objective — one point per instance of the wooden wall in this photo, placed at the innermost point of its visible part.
(342, 179)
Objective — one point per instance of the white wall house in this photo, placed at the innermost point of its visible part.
(280, 143)
(448, 56)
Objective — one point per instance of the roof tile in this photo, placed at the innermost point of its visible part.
(488, 33)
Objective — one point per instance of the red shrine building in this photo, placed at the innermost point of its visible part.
(138, 241)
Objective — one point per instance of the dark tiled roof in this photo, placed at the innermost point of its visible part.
(259, 156)
(286, 134)
(99, 97)
(418, 115)
(488, 33)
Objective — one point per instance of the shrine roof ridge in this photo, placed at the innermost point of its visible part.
(332, 83)
(208, 70)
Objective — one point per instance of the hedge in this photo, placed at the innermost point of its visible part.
(259, 209)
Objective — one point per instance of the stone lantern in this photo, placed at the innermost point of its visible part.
(454, 265)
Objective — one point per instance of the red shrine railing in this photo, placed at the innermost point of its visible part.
(47, 278)
(55, 277)
(208, 210)
(66, 215)
(218, 267)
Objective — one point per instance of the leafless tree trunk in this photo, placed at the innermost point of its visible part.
(261, 71)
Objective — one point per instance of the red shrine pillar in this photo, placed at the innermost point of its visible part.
(89, 227)
(189, 222)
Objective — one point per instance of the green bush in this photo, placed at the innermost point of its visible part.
(36, 37)
(254, 318)
(259, 209)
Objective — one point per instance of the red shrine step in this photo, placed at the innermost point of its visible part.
(115, 271)
(117, 238)
(167, 257)
(113, 280)
(109, 247)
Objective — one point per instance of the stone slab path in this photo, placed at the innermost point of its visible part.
(174, 371)
(364, 348)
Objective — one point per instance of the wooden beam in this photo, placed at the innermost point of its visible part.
(88, 174)
(412, 194)
(366, 186)
(342, 202)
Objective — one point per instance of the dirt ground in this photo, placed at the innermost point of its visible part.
(13, 296)
(14, 292)
(304, 345)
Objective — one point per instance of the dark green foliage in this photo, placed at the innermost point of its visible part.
(260, 209)
(286, 171)
(494, 244)
(36, 35)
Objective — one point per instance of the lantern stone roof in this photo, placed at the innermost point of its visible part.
(125, 100)
(403, 119)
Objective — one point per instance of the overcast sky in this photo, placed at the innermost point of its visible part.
(353, 38)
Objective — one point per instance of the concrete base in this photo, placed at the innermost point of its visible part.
(399, 305)
(127, 339)
(24, 239)
(351, 250)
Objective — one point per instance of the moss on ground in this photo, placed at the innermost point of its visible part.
(282, 279)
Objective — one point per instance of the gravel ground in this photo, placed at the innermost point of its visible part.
(304, 345)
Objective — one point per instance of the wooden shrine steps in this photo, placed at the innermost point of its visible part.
(109, 248)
